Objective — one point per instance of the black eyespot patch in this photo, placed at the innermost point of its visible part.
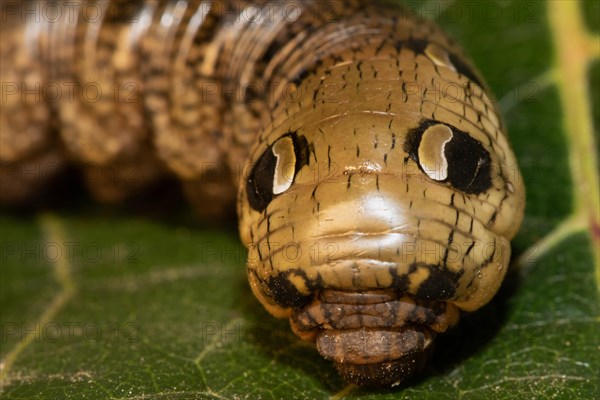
(259, 185)
(468, 162)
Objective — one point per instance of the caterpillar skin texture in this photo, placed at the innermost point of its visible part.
(379, 192)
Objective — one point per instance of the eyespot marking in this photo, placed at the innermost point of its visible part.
(468, 163)
(276, 169)
(432, 156)
(285, 165)
(439, 56)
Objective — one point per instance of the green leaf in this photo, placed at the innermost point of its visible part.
(97, 304)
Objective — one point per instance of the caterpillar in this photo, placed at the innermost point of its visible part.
(377, 192)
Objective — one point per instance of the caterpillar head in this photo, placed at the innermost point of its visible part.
(370, 231)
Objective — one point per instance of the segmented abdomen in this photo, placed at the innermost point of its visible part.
(132, 90)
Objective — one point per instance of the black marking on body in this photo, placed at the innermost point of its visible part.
(283, 291)
(301, 76)
(401, 282)
(259, 185)
(469, 163)
(418, 46)
(301, 150)
(358, 68)
(441, 284)
(447, 250)
(312, 195)
(464, 69)
(252, 95)
(469, 249)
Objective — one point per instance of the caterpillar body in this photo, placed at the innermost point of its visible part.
(379, 192)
